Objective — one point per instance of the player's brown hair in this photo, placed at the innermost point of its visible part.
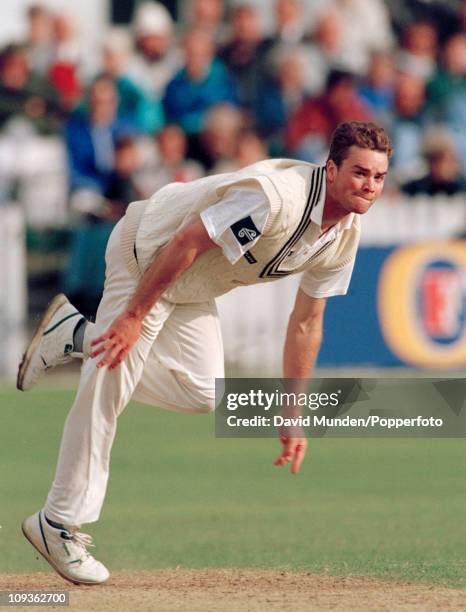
(362, 134)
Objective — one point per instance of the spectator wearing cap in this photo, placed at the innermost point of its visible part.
(444, 175)
(157, 56)
(311, 125)
(203, 82)
(139, 109)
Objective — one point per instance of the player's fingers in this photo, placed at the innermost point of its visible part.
(101, 338)
(118, 359)
(300, 452)
(110, 355)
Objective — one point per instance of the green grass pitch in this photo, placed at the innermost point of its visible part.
(180, 497)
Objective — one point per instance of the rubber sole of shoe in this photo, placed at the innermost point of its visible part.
(50, 562)
(52, 308)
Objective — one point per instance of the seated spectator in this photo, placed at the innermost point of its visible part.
(418, 53)
(63, 71)
(142, 111)
(203, 82)
(290, 22)
(39, 41)
(122, 187)
(407, 125)
(377, 89)
(282, 93)
(365, 28)
(325, 50)
(170, 163)
(311, 125)
(26, 95)
(207, 15)
(91, 134)
(444, 175)
(157, 56)
(447, 91)
(219, 138)
(250, 148)
(244, 54)
(85, 274)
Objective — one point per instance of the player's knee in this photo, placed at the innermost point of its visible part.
(205, 403)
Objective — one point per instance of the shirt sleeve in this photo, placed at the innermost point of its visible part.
(327, 283)
(237, 222)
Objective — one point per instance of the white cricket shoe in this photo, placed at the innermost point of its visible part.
(51, 344)
(65, 549)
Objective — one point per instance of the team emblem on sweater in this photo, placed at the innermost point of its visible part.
(245, 230)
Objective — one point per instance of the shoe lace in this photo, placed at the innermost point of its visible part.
(81, 539)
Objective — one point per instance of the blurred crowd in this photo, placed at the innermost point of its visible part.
(218, 89)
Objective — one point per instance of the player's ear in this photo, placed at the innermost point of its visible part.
(331, 169)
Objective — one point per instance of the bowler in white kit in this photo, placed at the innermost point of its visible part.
(156, 338)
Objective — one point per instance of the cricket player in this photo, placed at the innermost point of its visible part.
(156, 337)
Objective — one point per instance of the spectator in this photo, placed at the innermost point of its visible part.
(281, 95)
(244, 54)
(250, 148)
(418, 53)
(63, 71)
(407, 125)
(143, 112)
(326, 50)
(122, 187)
(311, 125)
(157, 56)
(26, 95)
(85, 274)
(39, 42)
(207, 15)
(447, 91)
(170, 164)
(365, 28)
(219, 139)
(377, 89)
(291, 25)
(91, 134)
(444, 175)
(203, 82)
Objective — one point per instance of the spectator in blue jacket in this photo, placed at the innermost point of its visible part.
(203, 82)
(91, 134)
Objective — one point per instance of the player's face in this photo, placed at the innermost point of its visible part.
(359, 180)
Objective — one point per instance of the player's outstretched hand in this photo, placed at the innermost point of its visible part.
(117, 341)
(294, 450)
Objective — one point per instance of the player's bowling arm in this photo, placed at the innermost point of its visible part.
(171, 261)
(303, 336)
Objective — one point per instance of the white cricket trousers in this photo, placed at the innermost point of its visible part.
(173, 365)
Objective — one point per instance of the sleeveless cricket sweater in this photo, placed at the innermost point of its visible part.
(293, 189)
